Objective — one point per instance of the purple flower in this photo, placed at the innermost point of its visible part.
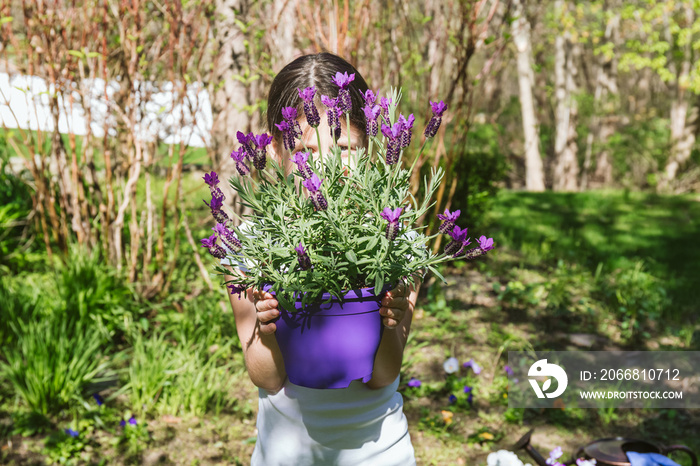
(122, 423)
(303, 257)
(236, 289)
(132, 420)
(438, 109)
(217, 203)
(301, 160)
(385, 102)
(414, 383)
(452, 399)
(71, 432)
(554, 455)
(471, 363)
(239, 156)
(393, 148)
(246, 141)
(261, 142)
(449, 219)
(344, 100)
(289, 113)
(228, 238)
(212, 180)
(370, 97)
(468, 390)
(486, 244)
(406, 129)
(371, 115)
(310, 111)
(98, 399)
(288, 134)
(509, 370)
(392, 216)
(459, 241)
(313, 184)
(214, 249)
(333, 118)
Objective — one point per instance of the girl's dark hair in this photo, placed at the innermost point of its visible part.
(313, 70)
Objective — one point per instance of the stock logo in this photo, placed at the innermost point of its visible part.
(543, 369)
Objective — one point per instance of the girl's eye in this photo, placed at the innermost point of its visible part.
(343, 148)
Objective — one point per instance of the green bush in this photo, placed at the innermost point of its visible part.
(54, 359)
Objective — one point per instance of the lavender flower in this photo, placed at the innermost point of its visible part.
(438, 109)
(288, 134)
(217, 202)
(228, 238)
(303, 257)
(212, 179)
(71, 432)
(239, 157)
(246, 141)
(392, 216)
(289, 113)
(385, 102)
(370, 97)
(406, 129)
(414, 383)
(310, 111)
(344, 100)
(214, 249)
(485, 245)
(261, 143)
(301, 160)
(236, 289)
(333, 118)
(459, 236)
(313, 184)
(449, 220)
(371, 115)
(393, 145)
(475, 367)
(468, 389)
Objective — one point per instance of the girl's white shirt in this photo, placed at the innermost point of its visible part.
(350, 426)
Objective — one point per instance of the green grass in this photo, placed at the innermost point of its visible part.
(612, 228)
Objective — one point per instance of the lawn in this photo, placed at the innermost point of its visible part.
(597, 270)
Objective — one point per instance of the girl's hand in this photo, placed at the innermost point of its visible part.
(395, 305)
(266, 311)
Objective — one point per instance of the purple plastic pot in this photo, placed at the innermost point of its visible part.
(330, 345)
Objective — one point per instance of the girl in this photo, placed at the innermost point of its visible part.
(363, 423)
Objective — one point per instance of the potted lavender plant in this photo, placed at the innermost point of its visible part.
(330, 241)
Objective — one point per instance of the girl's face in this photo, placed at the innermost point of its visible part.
(309, 139)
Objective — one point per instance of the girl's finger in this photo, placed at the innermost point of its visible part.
(267, 316)
(267, 328)
(264, 305)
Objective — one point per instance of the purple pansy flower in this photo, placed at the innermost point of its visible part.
(246, 141)
(452, 399)
(98, 399)
(132, 420)
(406, 129)
(393, 148)
(392, 216)
(301, 160)
(438, 109)
(313, 184)
(475, 367)
(554, 455)
(451, 365)
(228, 238)
(459, 238)
(371, 115)
(448, 219)
(122, 423)
(71, 432)
(239, 157)
(310, 111)
(414, 383)
(370, 97)
(508, 370)
(236, 289)
(343, 80)
(261, 142)
(333, 118)
(214, 249)
(303, 257)
(468, 390)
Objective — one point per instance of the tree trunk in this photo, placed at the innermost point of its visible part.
(534, 173)
(565, 147)
(229, 95)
